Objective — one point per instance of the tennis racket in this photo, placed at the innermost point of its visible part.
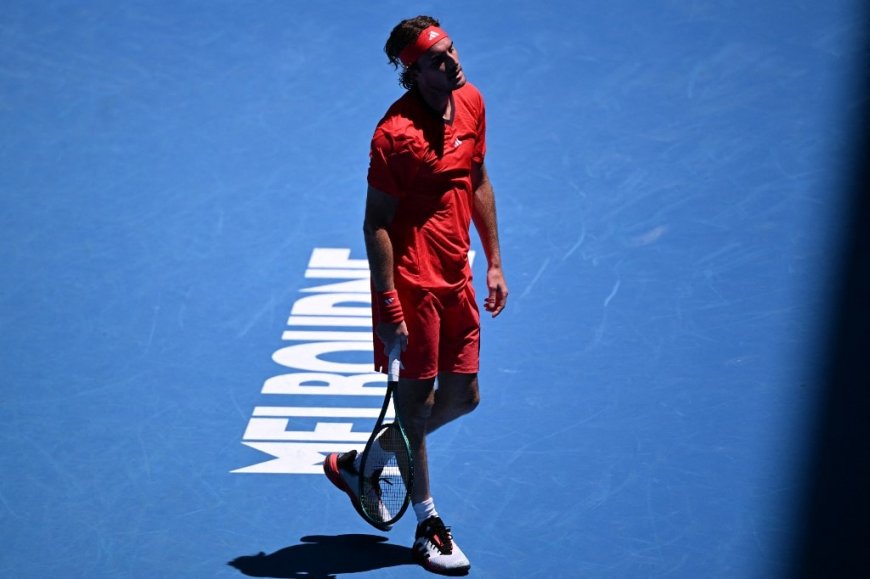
(386, 466)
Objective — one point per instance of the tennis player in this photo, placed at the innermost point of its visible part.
(426, 184)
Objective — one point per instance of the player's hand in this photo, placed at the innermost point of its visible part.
(496, 301)
(390, 333)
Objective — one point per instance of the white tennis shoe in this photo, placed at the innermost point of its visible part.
(435, 549)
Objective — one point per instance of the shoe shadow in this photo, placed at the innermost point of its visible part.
(325, 557)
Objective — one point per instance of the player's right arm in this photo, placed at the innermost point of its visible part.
(379, 213)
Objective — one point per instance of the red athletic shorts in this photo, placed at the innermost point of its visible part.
(443, 333)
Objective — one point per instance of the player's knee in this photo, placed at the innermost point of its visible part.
(466, 404)
(466, 399)
(473, 401)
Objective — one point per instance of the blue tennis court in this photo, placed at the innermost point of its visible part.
(184, 298)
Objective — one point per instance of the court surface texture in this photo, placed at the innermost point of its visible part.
(184, 299)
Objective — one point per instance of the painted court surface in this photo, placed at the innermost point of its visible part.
(184, 309)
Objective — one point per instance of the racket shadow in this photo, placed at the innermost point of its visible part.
(325, 557)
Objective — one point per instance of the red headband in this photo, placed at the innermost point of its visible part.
(424, 42)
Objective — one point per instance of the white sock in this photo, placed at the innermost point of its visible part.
(425, 510)
(377, 458)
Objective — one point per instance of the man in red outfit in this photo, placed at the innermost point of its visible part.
(426, 184)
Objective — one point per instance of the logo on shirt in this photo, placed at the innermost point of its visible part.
(456, 143)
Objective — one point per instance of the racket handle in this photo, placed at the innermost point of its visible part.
(394, 363)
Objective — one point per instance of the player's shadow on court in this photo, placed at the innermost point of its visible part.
(325, 557)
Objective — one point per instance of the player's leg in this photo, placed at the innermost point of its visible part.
(434, 547)
(459, 359)
(456, 395)
(414, 401)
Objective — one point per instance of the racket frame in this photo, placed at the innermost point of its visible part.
(408, 477)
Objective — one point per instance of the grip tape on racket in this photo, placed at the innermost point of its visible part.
(394, 364)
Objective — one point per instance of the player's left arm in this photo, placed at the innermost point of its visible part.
(485, 221)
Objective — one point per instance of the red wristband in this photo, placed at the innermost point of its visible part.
(389, 307)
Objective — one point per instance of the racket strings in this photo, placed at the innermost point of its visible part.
(385, 491)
